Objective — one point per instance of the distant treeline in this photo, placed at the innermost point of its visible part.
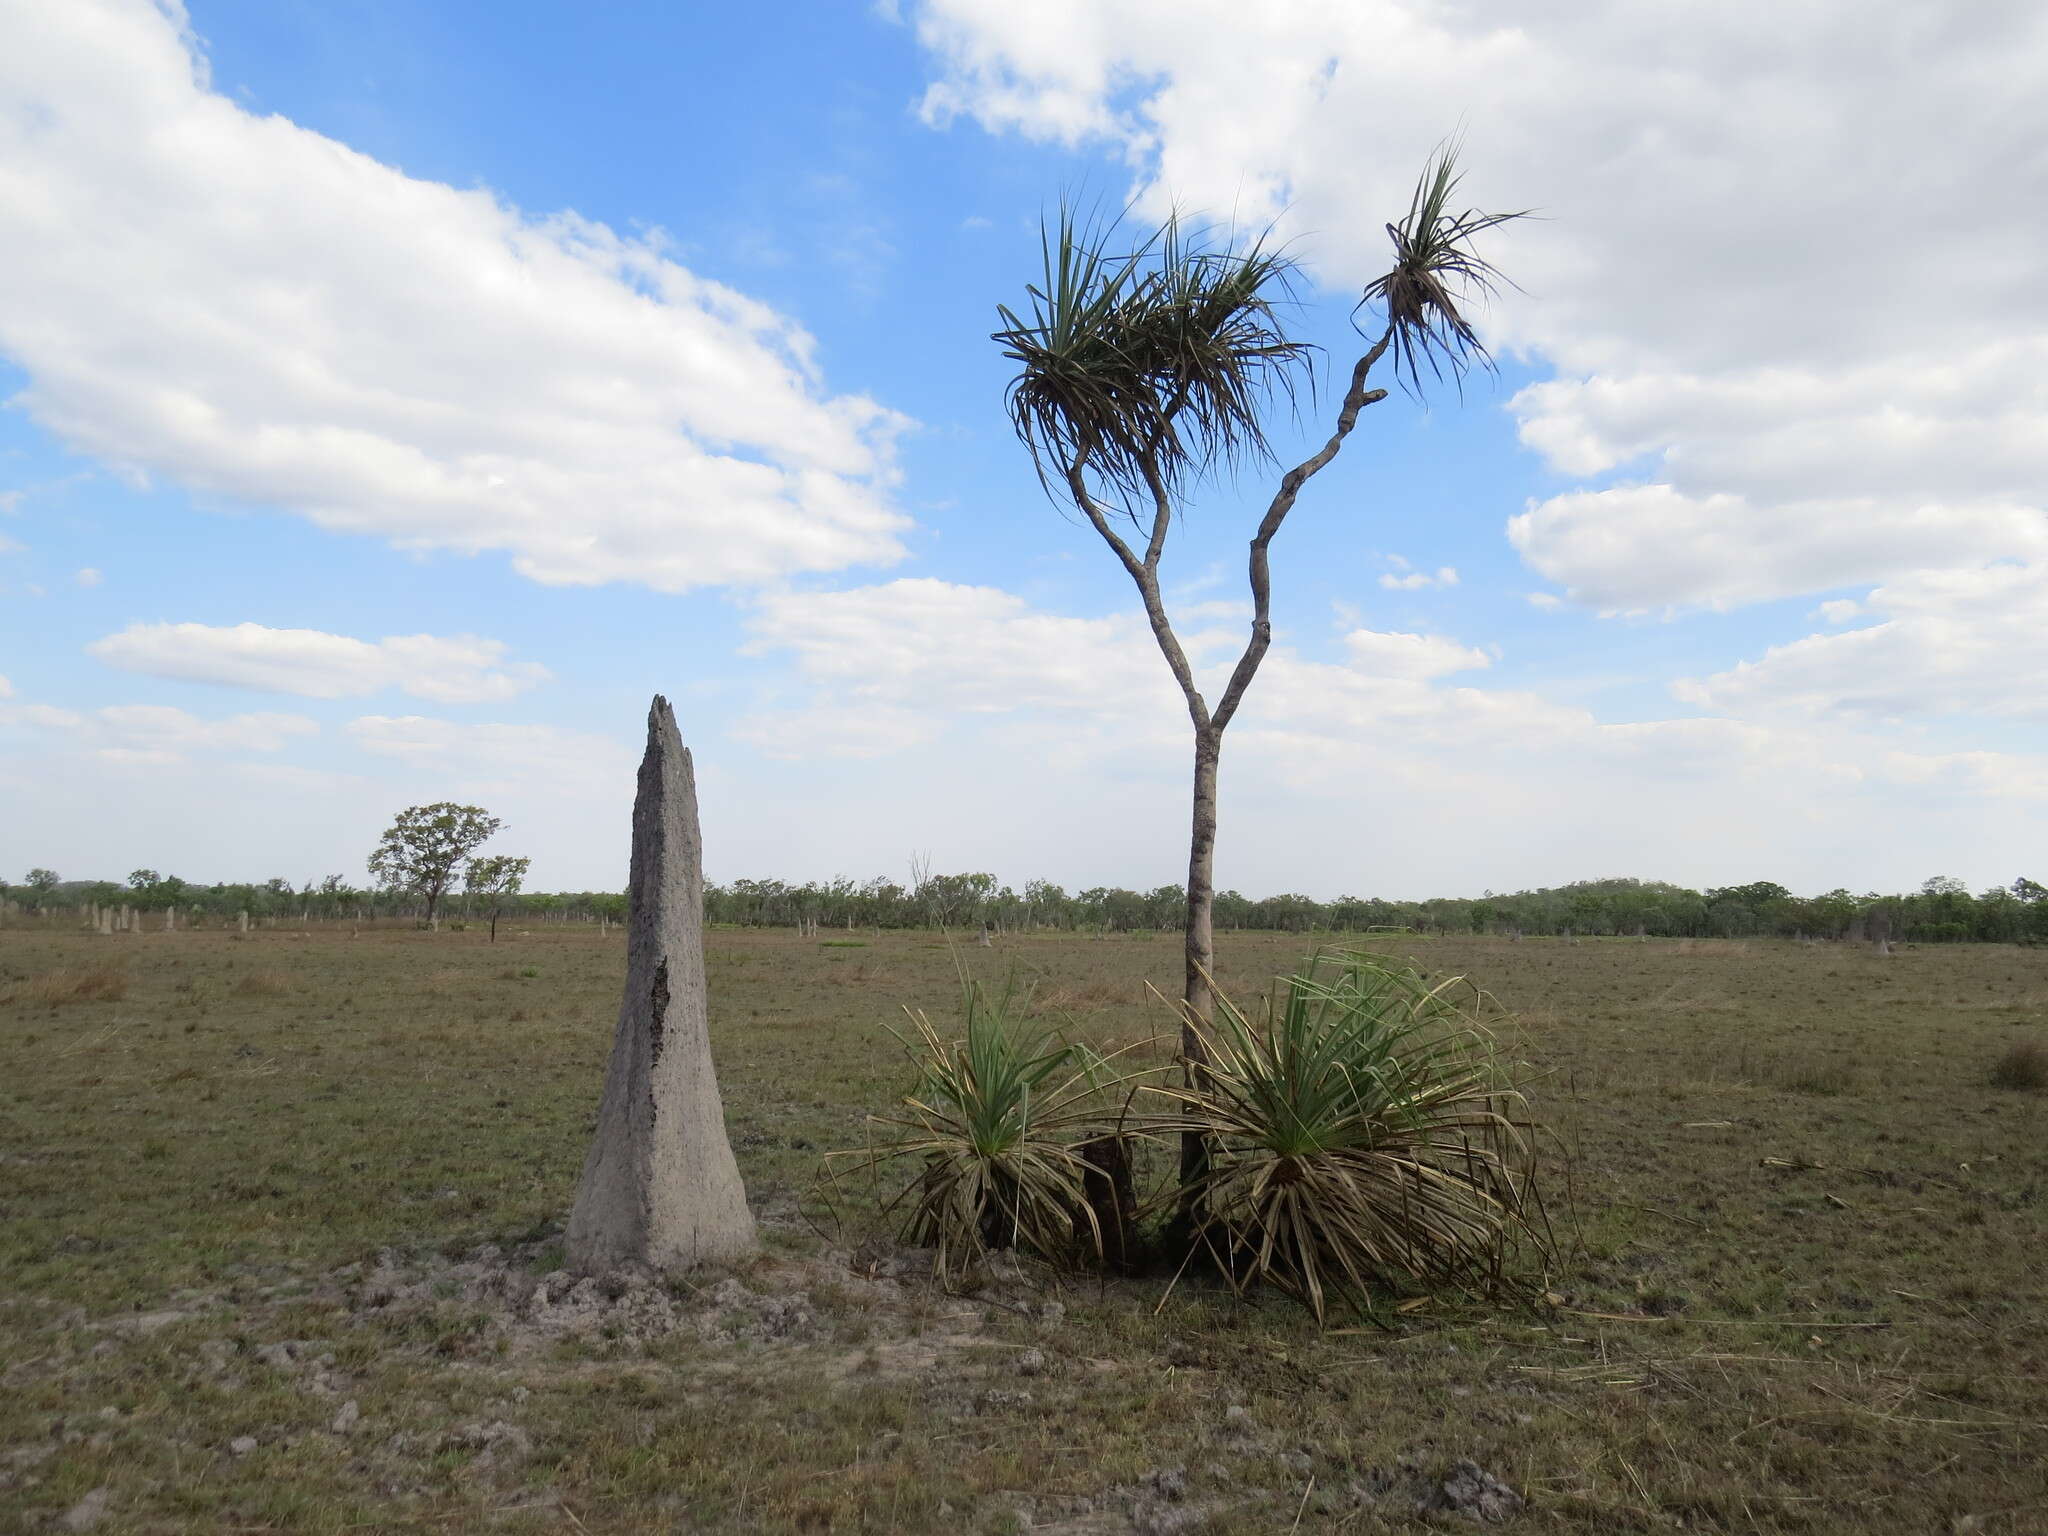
(1942, 910)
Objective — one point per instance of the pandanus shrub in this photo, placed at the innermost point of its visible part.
(1005, 1128)
(1363, 1131)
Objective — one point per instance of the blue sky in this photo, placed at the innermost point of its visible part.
(400, 394)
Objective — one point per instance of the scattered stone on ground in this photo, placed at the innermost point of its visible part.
(1468, 1489)
(630, 1306)
(1472, 1490)
(497, 1443)
(512, 1307)
(1169, 1483)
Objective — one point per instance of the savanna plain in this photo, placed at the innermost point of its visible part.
(280, 1250)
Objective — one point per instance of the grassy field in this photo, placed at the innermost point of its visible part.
(278, 1252)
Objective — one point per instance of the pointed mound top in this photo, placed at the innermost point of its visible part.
(664, 740)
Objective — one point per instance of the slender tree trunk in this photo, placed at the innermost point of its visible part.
(1201, 946)
(1209, 725)
(1201, 934)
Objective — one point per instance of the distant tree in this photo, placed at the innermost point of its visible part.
(143, 879)
(421, 852)
(36, 889)
(494, 879)
(1045, 904)
(2028, 890)
(1145, 363)
(950, 899)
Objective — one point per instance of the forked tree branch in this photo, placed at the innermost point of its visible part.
(1356, 399)
(1162, 517)
(1145, 576)
(1144, 570)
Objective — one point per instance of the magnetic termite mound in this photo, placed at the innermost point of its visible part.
(660, 1186)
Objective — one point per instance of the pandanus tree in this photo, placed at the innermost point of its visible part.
(1146, 363)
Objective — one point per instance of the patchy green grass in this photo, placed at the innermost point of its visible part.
(246, 1182)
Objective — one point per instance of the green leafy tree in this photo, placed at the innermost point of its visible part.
(494, 880)
(422, 851)
(37, 889)
(1145, 365)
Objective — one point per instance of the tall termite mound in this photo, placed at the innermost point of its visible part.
(660, 1186)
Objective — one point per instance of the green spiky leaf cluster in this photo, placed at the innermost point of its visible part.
(1362, 1130)
(1435, 272)
(997, 1123)
(1150, 365)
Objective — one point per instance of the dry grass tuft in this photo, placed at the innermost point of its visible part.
(1090, 997)
(2022, 1065)
(89, 984)
(1824, 1077)
(263, 984)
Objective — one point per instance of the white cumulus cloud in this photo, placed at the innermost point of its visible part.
(260, 313)
(1539, 790)
(1419, 581)
(481, 754)
(948, 647)
(1382, 653)
(892, 664)
(1949, 643)
(1635, 547)
(157, 733)
(456, 669)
